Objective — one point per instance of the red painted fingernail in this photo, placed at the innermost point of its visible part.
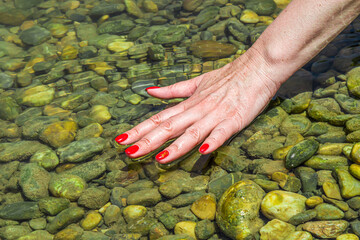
(121, 137)
(161, 155)
(203, 148)
(131, 150)
(151, 88)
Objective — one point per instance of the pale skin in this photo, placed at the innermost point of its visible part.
(224, 101)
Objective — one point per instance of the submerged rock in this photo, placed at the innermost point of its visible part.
(212, 49)
(231, 218)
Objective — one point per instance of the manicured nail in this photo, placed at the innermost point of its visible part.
(203, 148)
(131, 150)
(161, 155)
(151, 88)
(121, 137)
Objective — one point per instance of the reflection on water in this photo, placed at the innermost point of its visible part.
(73, 77)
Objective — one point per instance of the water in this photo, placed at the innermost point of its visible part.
(73, 77)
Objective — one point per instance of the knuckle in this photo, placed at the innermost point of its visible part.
(167, 126)
(156, 119)
(193, 133)
(221, 131)
(146, 142)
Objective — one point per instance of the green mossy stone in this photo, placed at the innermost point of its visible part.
(332, 137)
(20, 211)
(323, 109)
(219, 185)
(170, 35)
(14, 232)
(65, 218)
(230, 215)
(303, 217)
(67, 186)
(295, 123)
(353, 81)
(35, 35)
(349, 186)
(52, 206)
(326, 162)
(276, 229)
(46, 159)
(206, 15)
(261, 7)
(35, 96)
(34, 181)
(170, 218)
(353, 137)
(38, 234)
(9, 109)
(350, 105)
(327, 211)
(116, 27)
(300, 153)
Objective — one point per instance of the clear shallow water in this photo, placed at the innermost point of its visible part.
(73, 75)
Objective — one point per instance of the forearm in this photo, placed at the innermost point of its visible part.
(300, 32)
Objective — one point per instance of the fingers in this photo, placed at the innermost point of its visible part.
(180, 89)
(196, 133)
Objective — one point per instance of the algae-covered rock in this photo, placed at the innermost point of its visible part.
(20, 211)
(59, 134)
(323, 109)
(9, 109)
(353, 81)
(349, 104)
(67, 186)
(212, 49)
(282, 205)
(295, 123)
(65, 218)
(349, 186)
(300, 153)
(326, 162)
(34, 181)
(35, 96)
(231, 218)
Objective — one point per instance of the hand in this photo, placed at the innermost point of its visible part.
(220, 103)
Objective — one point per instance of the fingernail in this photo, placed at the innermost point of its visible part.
(203, 148)
(161, 155)
(151, 88)
(131, 150)
(121, 137)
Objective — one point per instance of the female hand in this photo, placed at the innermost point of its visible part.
(220, 103)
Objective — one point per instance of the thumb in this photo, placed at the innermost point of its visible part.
(177, 90)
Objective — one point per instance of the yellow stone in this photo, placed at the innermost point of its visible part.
(103, 208)
(103, 19)
(27, 24)
(83, 43)
(58, 30)
(204, 207)
(119, 46)
(276, 229)
(266, 19)
(101, 68)
(90, 131)
(347, 236)
(332, 190)
(69, 52)
(249, 16)
(313, 201)
(347, 151)
(134, 212)
(134, 99)
(282, 3)
(354, 170)
(280, 177)
(100, 113)
(67, 234)
(280, 153)
(51, 110)
(59, 133)
(91, 220)
(196, 68)
(355, 153)
(29, 65)
(332, 148)
(299, 235)
(186, 227)
(150, 6)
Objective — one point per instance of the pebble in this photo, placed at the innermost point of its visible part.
(300, 153)
(35, 96)
(282, 205)
(38, 223)
(326, 229)
(276, 229)
(132, 213)
(353, 82)
(14, 232)
(212, 49)
(20, 211)
(52, 206)
(94, 197)
(112, 215)
(91, 220)
(204, 207)
(249, 16)
(347, 236)
(147, 197)
(100, 113)
(332, 190)
(355, 153)
(35, 35)
(349, 186)
(67, 186)
(59, 134)
(186, 227)
(326, 162)
(328, 212)
(81, 150)
(303, 217)
(170, 218)
(88, 170)
(65, 218)
(37, 234)
(231, 218)
(9, 109)
(204, 229)
(34, 181)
